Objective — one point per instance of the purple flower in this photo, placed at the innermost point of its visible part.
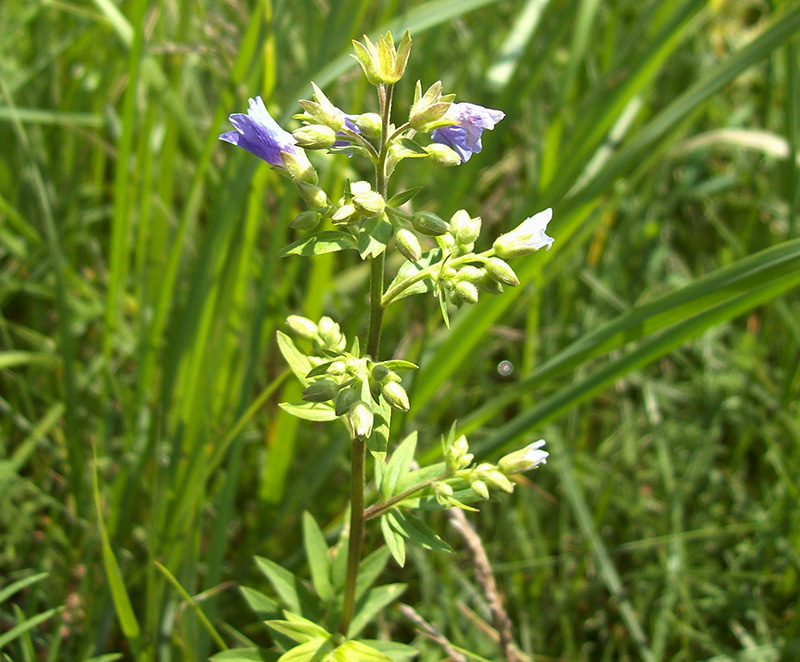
(344, 141)
(465, 136)
(259, 134)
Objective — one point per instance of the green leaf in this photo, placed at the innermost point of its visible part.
(356, 651)
(298, 629)
(379, 439)
(410, 269)
(417, 531)
(297, 361)
(321, 369)
(263, 606)
(421, 476)
(289, 588)
(373, 236)
(316, 650)
(327, 241)
(20, 584)
(395, 650)
(399, 465)
(401, 198)
(371, 603)
(339, 563)
(319, 561)
(400, 364)
(27, 625)
(370, 569)
(309, 411)
(394, 541)
(443, 307)
(238, 655)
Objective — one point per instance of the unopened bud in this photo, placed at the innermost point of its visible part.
(306, 220)
(361, 420)
(426, 222)
(499, 481)
(465, 228)
(337, 368)
(302, 327)
(344, 215)
(408, 244)
(479, 487)
(501, 271)
(524, 459)
(467, 291)
(443, 155)
(321, 391)
(370, 125)
(379, 372)
(322, 111)
(527, 237)
(346, 398)
(315, 136)
(396, 396)
(314, 196)
(367, 56)
(369, 203)
(490, 285)
(470, 273)
(299, 167)
(429, 108)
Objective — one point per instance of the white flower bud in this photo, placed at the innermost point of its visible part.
(527, 237)
(408, 244)
(396, 396)
(361, 420)
(524, 459)
(302, 327)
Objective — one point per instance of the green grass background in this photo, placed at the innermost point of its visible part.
(655, 346)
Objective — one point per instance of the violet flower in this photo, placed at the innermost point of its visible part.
(259, 134)
(465, 136)
(344, 141)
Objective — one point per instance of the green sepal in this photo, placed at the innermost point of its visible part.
(327, 241)
(373, 236)
(443, 307)
(309, 411)
(394, 540)
(319, 561)
(404, 196)
(321, 369)
(398, 465)
(414, 147)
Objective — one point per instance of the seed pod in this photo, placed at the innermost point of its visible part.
(408, 244)
(321, 391)
(396, 396)
(426, 222)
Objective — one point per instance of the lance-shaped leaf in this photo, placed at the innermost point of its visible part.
(327, 241)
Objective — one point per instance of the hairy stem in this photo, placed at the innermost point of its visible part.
(359, 452)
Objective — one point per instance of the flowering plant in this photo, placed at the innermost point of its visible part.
(349, 380)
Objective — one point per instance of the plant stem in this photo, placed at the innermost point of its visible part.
(359, 452)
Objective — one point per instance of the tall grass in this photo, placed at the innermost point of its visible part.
(655, 347)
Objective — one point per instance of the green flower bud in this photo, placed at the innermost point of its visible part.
(370, 125)
(396, 396)
(498, 481)
(464, 228)
(367, 56)
(479, 487)
(344, 215)
(524, 459)
(443, 155)
(337, 368)
(361, 420)
(379, 372)
(501, 271)
(446, 242)
(321, 391)
(426, 222)
(299, 167)
(306, 220)
(370, 203)
(442, 491)
(330, 335)
(408, 244)
(314, 196)
(490, 285)
(302, 327)
(315, 136)
(470, 273)
(346, 398)
(467, 291)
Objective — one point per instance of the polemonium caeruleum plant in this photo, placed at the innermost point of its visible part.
(350, 381)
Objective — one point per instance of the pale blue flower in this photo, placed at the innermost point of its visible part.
(259, 134)
(471, 121)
